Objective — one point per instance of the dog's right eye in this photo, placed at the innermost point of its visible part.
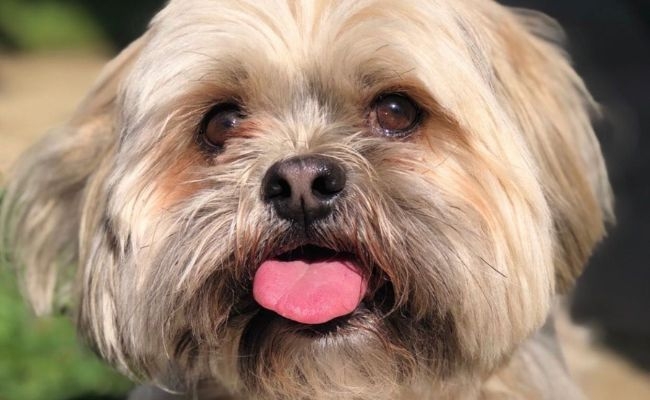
(395, 115)
(219, 124)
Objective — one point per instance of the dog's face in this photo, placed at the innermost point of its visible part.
(319, 199)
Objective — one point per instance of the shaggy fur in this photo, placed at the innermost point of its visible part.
(466, 230)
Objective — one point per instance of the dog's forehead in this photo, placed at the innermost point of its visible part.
(255, 37)
(276, 46)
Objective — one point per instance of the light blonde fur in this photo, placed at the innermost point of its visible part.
(477, 221)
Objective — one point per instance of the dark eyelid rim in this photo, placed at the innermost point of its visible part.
(222, 106)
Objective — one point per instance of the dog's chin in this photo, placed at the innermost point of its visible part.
(276, 353)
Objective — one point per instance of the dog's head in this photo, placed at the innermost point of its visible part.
(317, 199)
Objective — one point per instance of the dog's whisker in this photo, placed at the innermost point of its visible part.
(493, 268)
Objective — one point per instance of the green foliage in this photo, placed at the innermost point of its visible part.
(40, 358)
(44, 24)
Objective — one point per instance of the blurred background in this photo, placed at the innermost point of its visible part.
(51, 51)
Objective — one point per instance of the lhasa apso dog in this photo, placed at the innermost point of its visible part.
(321, 200)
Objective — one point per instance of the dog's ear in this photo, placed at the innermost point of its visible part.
(43, 201)
(554, 111)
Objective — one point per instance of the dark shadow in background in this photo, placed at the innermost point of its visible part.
(121, 20)
(7, 42)
(610, 43)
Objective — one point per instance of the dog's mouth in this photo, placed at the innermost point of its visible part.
(310, 284)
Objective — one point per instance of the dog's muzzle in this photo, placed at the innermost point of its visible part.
(309, 285)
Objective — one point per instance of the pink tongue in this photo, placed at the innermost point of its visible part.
(309, 293)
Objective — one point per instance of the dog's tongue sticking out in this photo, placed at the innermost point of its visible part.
(309, 292)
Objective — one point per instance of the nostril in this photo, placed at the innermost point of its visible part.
(277, 187)
(328, 185)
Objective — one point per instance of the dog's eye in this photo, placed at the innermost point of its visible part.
(219, 123)
(395, 115)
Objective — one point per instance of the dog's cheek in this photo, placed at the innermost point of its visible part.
(179, 181)
(498, 231)
(518, 277)
(119, 244)
(553, 109)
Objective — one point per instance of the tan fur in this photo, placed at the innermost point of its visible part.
(476, 221)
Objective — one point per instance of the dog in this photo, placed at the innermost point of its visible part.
(309, 199)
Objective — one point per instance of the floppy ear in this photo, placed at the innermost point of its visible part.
(553, 109)
(43, 202)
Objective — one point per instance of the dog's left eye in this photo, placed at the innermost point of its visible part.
(395, 115)
(219, 123)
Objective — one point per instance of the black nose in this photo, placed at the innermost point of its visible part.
(304, 188)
